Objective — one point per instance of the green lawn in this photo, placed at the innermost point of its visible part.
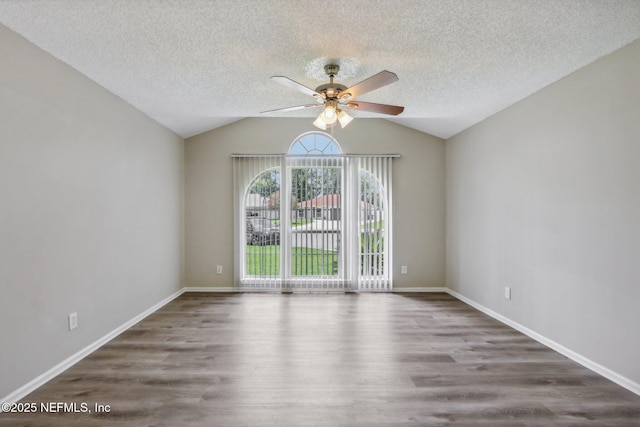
(265, 261)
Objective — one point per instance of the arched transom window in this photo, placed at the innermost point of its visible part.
(315, 143)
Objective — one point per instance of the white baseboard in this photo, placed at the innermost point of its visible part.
(75, 358)
(232, 289)
(420, 290)
(209, 289)
(578, 358)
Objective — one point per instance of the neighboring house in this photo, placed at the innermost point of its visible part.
(323, 207)
(328, 207)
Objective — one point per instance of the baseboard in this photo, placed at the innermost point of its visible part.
(209, 289)
(578, 358)
(419, 290)
(75, 358)
(232, 289)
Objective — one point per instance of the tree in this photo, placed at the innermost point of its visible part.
(274, 200)
(370, 190)
(309, 183)
(266, 183)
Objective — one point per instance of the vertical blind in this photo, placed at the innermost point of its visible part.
(313, 222)
(374, 225)
(315, 236)
(256, 181)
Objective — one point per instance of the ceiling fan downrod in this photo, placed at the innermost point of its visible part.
(331, 90)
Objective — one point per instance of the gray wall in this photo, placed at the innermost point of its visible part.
(544, 197)
(90, 211)
(418, 193)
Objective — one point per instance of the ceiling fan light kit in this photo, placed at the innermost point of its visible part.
(334, 95)
(344, 118)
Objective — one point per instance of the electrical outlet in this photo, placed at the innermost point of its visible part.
(403, 269)
(73, 321)
(507, 292)
(219, 269)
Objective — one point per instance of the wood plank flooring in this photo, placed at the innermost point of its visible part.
(328, 360)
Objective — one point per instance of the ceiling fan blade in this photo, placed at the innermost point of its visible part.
(298, 107)
(393, 110)
(286, 81)
(374, 82)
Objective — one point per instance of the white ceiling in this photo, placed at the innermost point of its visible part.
(194, 65)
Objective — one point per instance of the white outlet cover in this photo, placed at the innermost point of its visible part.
(73, 321)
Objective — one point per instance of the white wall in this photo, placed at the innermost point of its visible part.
(544, 197)
(90, 211)
(418, 193)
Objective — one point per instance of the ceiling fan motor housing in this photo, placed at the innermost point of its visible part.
(331, 90)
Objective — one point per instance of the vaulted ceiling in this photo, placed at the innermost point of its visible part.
(194, 65)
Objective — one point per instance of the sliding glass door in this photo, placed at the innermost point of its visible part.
(316, 232)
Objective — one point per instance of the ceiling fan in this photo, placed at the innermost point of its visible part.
(336, 97)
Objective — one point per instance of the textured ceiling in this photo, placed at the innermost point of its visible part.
(196, 65)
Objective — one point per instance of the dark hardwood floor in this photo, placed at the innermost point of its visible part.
(328, 360)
